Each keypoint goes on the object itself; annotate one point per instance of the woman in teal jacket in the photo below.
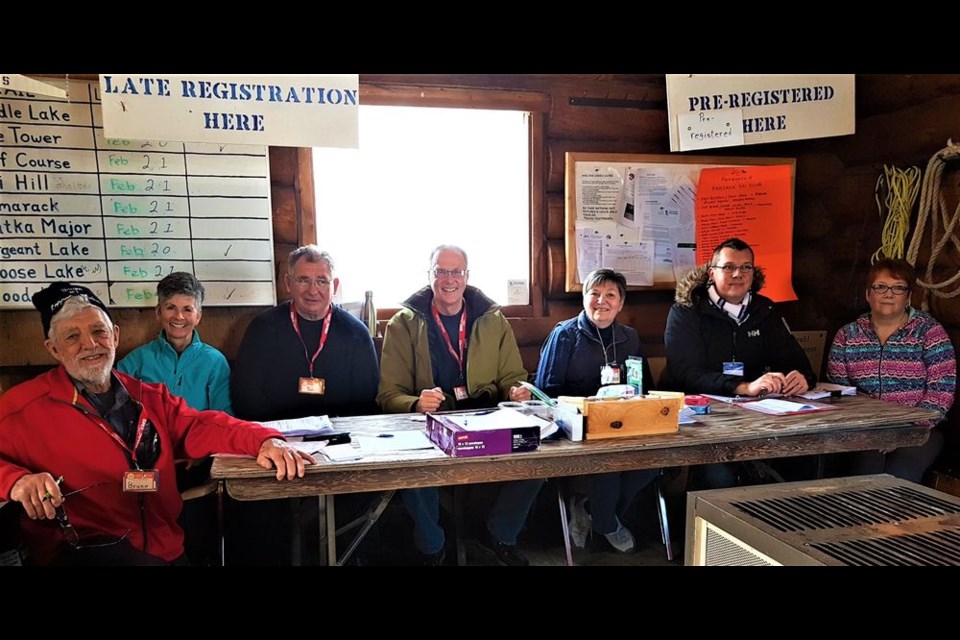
(191, 369)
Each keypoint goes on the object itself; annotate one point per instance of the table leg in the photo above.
(220, 534)
(331, 529)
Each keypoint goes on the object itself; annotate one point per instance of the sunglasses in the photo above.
(73, 537)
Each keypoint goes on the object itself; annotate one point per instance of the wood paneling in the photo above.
(879, 93)
(556, 216)
(909, 135)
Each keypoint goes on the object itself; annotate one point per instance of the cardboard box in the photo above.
(619, 418)
(494, 432)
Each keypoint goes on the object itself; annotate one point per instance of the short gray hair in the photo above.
(310, 253)
(74, 306)
(180, 282)
(602, 276)
(448, 247)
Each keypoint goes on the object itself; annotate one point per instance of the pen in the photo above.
(384, 435)
(48, 495)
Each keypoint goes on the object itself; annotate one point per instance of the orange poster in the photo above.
(754, 204)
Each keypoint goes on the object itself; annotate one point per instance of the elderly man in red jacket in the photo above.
(89, 452)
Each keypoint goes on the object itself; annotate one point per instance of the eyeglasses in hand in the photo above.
(73, 537)
(445, 273)
(306, 283)
(731, 269)
(898, 289)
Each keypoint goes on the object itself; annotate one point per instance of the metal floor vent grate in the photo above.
(846, 509)
(936, 549)
(874, 520)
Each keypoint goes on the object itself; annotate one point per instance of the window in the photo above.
(425, 176)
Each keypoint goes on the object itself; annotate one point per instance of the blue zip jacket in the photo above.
(200, 375)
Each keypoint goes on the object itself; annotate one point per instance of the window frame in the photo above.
(536, 104)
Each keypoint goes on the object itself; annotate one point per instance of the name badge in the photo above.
(733, 368)
(460, 393)
(313, 386)
(610, 374)
(141, 481)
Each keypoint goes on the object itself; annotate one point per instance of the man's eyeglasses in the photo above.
(898, 289)
(448, 273)
(73, 537)
(731, 269)
(306, 283)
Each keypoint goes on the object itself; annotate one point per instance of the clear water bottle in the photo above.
(368, 314)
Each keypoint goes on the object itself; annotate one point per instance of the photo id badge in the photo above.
(610, 374)
(313, 386)
(733, 368)
(141, 481)
(460, 392)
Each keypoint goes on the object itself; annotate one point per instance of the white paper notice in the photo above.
(517, 292)
(599, 191)
(668, 215)
(682, 203)
(590, 239)
(663, 262)
(651, 190)
(709, 129)
(626, 214)
(684, 260)
(633, 259)
(626, 234)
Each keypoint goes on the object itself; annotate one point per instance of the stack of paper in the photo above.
(784, 407)
(342, 452)
(309, 426)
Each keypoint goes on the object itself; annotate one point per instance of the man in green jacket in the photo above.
(451, 348)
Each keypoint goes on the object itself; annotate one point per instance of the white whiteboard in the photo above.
(117, 215)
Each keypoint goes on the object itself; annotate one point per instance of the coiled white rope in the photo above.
(943, 226)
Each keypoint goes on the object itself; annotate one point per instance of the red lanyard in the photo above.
(141, 427)
(323, 334)
(459, 357)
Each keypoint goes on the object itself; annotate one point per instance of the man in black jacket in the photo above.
(724, 338)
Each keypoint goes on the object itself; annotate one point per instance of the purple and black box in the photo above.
(459, 442)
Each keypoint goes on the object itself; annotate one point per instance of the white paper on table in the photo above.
(784, 407)
(309, 426)
(394, 441)
(342, 452)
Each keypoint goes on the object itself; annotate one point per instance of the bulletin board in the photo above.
(117, 215)
(643, 214)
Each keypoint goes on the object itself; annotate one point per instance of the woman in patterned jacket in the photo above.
(897, 354)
